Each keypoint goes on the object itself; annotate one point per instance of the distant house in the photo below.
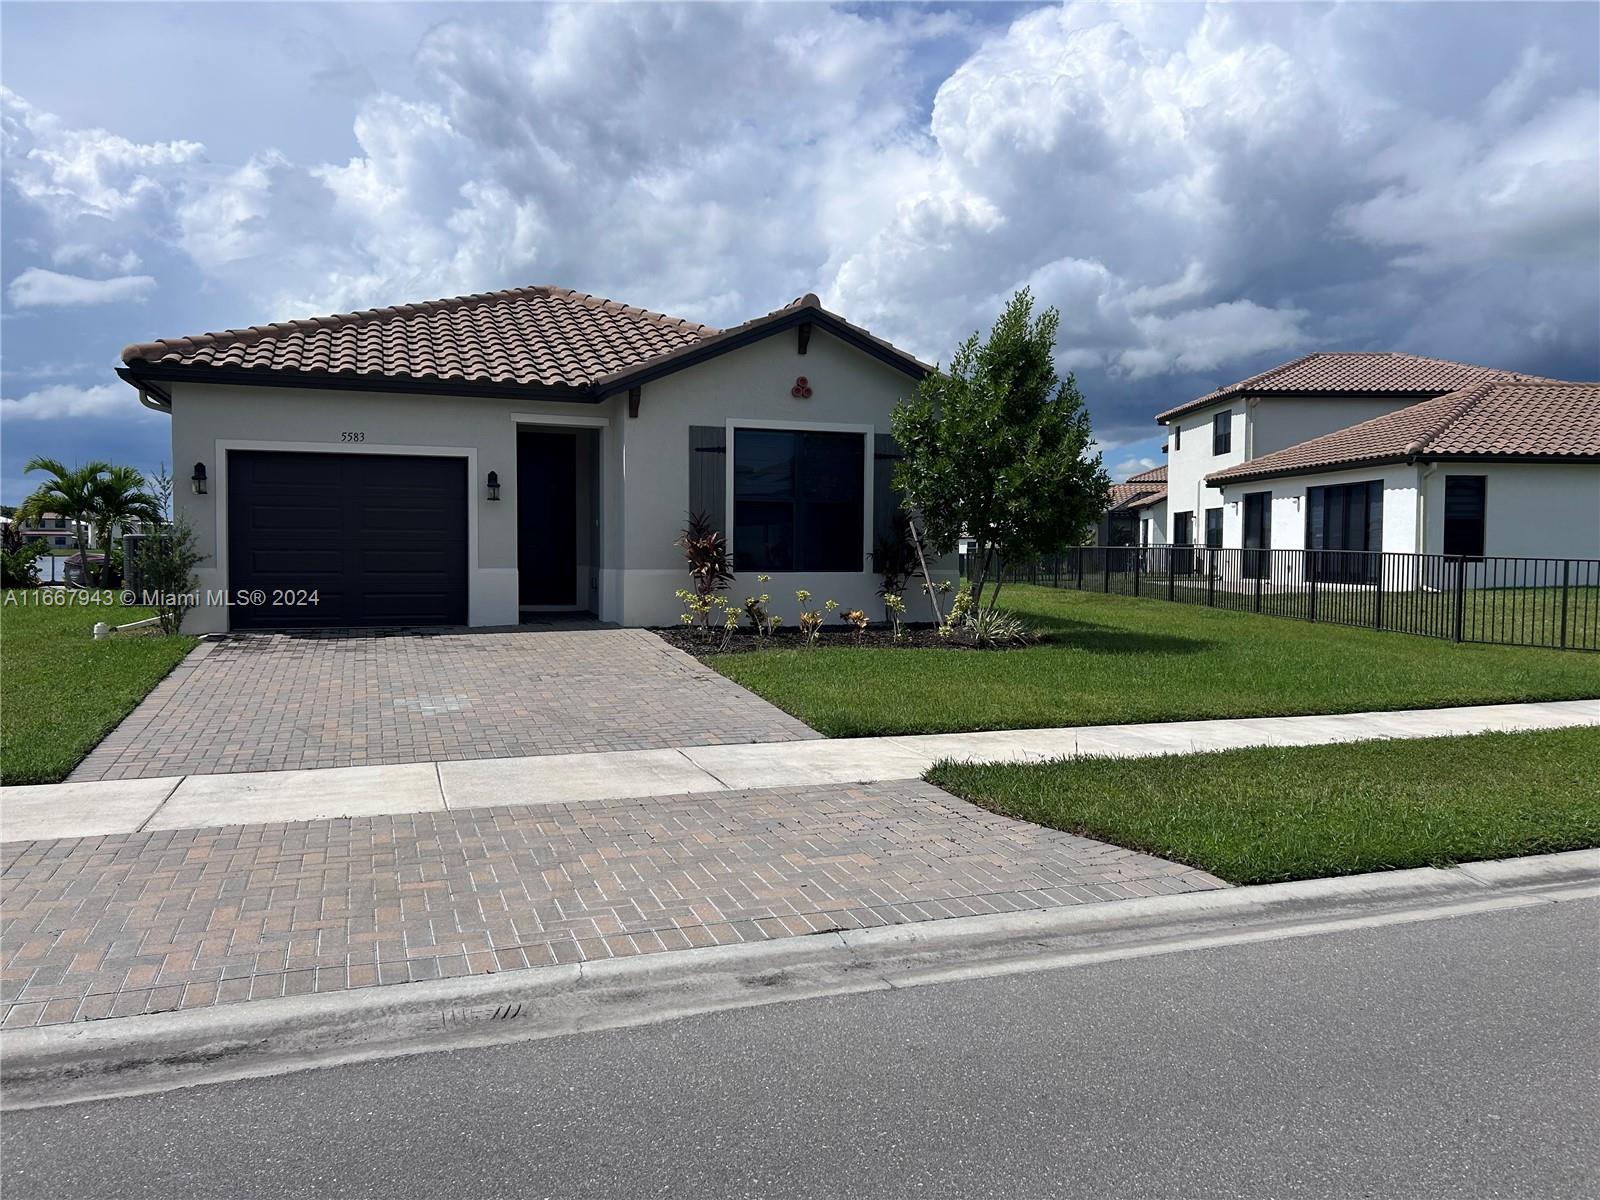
(1504, 468)
(1357, 451)
(1138, 512)
(52, 529)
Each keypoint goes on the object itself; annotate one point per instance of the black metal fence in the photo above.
(1552, 602)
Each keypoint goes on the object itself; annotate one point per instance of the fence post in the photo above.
(1566, 578)
(1105, 570)
(1058, 571)
(1377, 602)
(1311, 581)
(1138, 560)
(1211, 577)
(1171, 568)
(1461, 595)
(1263, 565)
(1080, 568)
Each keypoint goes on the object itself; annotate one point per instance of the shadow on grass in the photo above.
(1068, 634)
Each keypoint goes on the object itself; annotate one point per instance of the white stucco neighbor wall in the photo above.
(1260, 426)
(1191, 461)
(1531, 510)
(1289, 506)
(643, 487)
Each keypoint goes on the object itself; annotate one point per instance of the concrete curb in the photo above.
(132, 1055)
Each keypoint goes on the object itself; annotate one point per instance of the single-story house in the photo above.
(1504, 467)
(1137, 515)
(480, 459)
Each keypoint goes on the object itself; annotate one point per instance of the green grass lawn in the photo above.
(1114, 659)
(61, 691)
(1303, 812)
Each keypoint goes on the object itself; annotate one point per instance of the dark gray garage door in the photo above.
(380, 539)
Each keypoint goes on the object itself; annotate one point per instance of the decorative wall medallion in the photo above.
(801, 389)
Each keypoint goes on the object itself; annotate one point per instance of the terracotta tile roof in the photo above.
(1494, 419)
(531, 336)
(546, 338)
(1376, 372)
(1141, 490)
(804, 307)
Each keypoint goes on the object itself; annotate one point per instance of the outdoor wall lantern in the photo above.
(494, 485)
(198, 480)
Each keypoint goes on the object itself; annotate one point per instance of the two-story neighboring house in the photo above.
(52, 529)
(1291, 404)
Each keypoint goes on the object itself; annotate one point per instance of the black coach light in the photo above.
(494, 485)
(198, 479)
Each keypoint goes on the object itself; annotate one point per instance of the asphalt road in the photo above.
(1456, 1057)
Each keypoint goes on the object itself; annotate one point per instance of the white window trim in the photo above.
(867, 432)
(219, 493)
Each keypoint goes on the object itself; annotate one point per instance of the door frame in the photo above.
(219, 508)
(602, 507)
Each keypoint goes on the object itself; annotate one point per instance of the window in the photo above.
(1464, 497)
(1177, 436)
(1183, 529)
(798, 502)
(1213, 529)
(1345, 517)
(1257, 535)
(1222, 433)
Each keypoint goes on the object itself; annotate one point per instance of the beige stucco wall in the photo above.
(643, 489)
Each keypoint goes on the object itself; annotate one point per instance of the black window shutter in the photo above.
(885, 500)
(708, 466)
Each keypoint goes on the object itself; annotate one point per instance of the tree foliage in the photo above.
(68, 492)
(996, 447)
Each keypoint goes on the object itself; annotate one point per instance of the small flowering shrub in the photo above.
(857, 619)
(702, 610)
(755, 611)
(960, 609)
(811, 619)
(895, 606)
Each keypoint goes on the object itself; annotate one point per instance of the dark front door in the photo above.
(331, 540)
(1257, 535)
(547, 518)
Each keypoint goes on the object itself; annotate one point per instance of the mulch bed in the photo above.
(913, 637)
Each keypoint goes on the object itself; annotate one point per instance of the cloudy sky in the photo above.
(1202, 191)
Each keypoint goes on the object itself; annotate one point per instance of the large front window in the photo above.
(798, 500)
(1343, 518)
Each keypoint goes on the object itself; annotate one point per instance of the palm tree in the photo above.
(121, 498)
(69, 492)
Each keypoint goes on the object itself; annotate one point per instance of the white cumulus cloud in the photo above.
(39, 288)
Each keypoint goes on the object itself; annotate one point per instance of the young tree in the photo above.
(69, 492)
(167, 561)
(121, 497)
(996, 448)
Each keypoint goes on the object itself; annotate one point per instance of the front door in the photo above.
(547, 518)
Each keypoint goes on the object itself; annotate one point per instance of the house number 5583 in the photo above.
(353, 435)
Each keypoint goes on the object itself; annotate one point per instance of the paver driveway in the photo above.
(187, 918)
(273, 702)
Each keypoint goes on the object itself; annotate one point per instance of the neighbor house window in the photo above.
(1213, 528)
(1177, 436)
(1464, 497)
(798, 500)
(1183, 529)
(1222, 433)
(1342, 518)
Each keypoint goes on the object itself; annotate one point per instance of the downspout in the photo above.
(155, 404)
(1422, 505)
(1250, 404)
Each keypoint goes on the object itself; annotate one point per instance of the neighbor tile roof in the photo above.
(1367, 372)
(530, 336)
(1138, 491)
(1494, 419)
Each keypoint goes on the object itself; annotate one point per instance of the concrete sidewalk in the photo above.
(75, 810)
